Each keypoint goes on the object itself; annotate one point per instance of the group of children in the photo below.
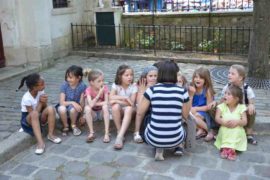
(161, 101)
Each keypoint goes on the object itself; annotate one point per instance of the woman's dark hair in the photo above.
(120, 71)
(236, 92)
(167, 72)
(77, 71)
(31, 80)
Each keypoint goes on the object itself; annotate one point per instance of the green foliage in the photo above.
(174, 45)
(142, 40)
(211, 45)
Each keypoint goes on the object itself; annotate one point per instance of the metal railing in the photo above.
(60, 3)
(183, 5)
(211, 40)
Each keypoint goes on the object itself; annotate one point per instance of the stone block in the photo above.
(45, 174)
(186, 171)
(75, 167)
(24, 170)
(214, 174)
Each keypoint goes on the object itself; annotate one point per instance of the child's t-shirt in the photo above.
(73, 94)
(29, 100)
(125, 92)
(89, 91)
(250, 92)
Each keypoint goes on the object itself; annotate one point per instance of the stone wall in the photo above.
(225, 19)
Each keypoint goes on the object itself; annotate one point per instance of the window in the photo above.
(60, 3)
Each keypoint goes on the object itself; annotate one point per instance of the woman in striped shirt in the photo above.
(170, 104)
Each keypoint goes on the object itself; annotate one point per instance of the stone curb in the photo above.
(155, 58)
(11, 74)
(14, 144)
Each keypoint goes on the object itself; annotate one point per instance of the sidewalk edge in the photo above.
(14, 144)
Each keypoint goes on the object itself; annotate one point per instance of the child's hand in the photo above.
(142, 85)
(100, 90)
(193, 110)
(251, 109)
(129, 102)
(77, 107)
(212, 105)
(191, 90)
(43, 98)
(232, 123)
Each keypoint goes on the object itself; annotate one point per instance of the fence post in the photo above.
(72, 38)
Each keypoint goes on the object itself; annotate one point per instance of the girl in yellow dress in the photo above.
(231, 115)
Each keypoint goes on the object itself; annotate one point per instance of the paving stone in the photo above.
(265, 148)
(263, 171)
(73, 177)
(46, 174)
(103, 157)
(101, 172)
(4, 177)
(77, 152)
(235, 166)
(74, 167)
(128, 161)
(130, 147)
(131, 175)
(248, 177)
(203, 161)
(186, 171)
(252, 157)
(157, 166)
(214, 174)
(158, 177)
(24, 170)
(53, 162)
(146, 150)
(33, 158)
(59, 149)
(8, 166)
(200, 149)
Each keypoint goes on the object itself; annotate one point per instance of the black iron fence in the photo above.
(212, 40)
(182, 5)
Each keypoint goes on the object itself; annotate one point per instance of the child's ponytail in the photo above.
(86, 72)
(31, 80)
(22, 83)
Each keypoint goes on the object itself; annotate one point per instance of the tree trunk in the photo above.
(258, 57)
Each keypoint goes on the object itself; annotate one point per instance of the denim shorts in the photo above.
(26, 127)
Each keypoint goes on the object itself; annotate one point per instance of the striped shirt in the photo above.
(165, 128)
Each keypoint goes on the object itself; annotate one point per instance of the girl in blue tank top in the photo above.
(201, 94)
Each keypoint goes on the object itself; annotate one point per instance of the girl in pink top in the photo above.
(96, 104)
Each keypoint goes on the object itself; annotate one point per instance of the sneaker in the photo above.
(137, 138)
(178, 151)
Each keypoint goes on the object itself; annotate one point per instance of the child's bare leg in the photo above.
(73, 117)
(33, 120)
(200, 122)
(62, 110)
(49, 114)
(116, 113)
(126, 121)
(106, 117)
(89, 119)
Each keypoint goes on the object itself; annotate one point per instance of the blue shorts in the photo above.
(26, 127)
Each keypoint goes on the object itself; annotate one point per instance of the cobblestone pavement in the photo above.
(75, 159)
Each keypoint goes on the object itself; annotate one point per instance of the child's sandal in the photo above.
(119, 143)
(91, 137)
(65, 131)
(251, 140)
(107, 138)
